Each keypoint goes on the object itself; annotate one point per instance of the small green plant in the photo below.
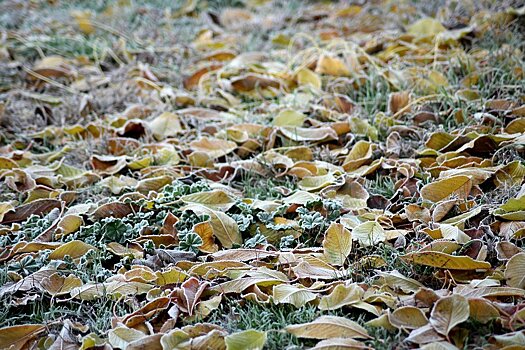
(381, 185)
(256, 240)
(190, 242)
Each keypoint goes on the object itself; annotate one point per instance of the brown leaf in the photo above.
(16, 337)
(37, 207)
(190, 292)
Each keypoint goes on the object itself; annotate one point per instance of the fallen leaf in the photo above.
(327, 327)
(297, 295)
(459, 186)
(369, 233)
(445, 261)
(515, 271)
(448, 312)
(246, 340)
(408, 317)
(16, 337)
(337, 244)
(341, 295)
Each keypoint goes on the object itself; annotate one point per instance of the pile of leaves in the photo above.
(353, 173)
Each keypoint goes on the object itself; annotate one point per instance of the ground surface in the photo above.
(240, 174)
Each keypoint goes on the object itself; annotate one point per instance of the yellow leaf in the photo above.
(360, 126)
(297, 295)
(5, 207)
(200, 159)
(459, 186)
(446, 261)
(206, 307)
(442, 345)
(360, 154)
(205, 231)
(453, 233)
(315, 183)
(337, 244)
(224, 227)
(448, 312)
(6, 163)
(424, 335)
(281, 39)
(341, 296)
(316, 268)
(170, 276)
(340, 344)
(327, 327)
(83, 19)
(70, 223)
(173, 338)
(437, 80)
(289, 117)
(117, 289)
(214, 148)
(408, 317)
(515, 271)
(516, 126)
(121, 337)
(74, 249)
(117, 184)
(442, 246)
(350, 11)
(239, 285)
(332, 66)
(250, 339)
(426, 27)
(301, 197)
(513, 209)
(153, 183)
(306, 77)
(381, 321)
(215, 199)
(165, 125)
(369, 233)
(308, 134)
(439, 140)
(482, 310)
(140, 163)
(394, 279)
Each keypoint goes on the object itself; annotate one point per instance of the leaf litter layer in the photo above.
(262, 174)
